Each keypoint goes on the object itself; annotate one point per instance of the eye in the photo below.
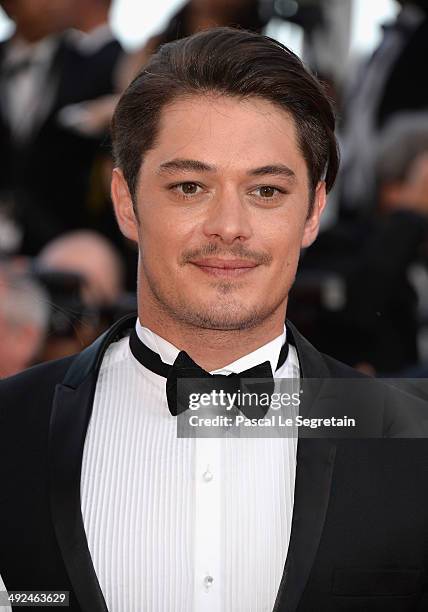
(267, 191)
(187, 189)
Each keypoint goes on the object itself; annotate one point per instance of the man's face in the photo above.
(222, 212)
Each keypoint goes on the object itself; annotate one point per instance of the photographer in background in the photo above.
(83, 274)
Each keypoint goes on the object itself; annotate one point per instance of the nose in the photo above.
(228, 218)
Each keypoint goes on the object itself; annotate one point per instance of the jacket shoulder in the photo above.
(33, 389)
(404, 409)
(338, 369)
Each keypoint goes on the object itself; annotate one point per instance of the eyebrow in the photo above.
(274, 170)
(186, 165)
(194, 165)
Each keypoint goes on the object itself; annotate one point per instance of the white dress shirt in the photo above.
(182, 524)
(93, 41)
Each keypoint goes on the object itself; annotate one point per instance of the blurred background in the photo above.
(66, 273)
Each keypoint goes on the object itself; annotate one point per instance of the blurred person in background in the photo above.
(26, 66)
(24, 313)
(198, 15)
(193, 16)
(376, 325)
(389, 83)
(91, 255)
(84, 275)
(50, 167)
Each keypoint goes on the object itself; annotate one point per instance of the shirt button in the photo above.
(208, 582)
(207, 476)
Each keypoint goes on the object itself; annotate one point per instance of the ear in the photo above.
(312, 223)
(123, 206)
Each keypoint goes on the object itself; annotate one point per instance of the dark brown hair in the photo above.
(234, 63)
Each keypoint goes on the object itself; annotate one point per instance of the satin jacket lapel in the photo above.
(72, 408)
(314, 471)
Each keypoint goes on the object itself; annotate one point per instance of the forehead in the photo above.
(227, 132)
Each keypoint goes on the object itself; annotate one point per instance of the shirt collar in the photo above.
(18, 50)
(168, 352)
(93, 41)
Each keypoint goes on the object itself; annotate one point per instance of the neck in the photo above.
(90, 20)
(210, 348)
(29, 38)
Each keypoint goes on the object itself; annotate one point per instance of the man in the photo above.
(92, 266)
(45, 70)
(92, 256)
(225, 149)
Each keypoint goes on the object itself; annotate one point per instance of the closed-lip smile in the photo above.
(224, 267)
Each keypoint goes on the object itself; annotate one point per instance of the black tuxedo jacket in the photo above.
(359, 536)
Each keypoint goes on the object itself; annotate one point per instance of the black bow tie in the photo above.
(258, 379)
(12, 70)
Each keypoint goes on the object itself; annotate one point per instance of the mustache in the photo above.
(238, 251)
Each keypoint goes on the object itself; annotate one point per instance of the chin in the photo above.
(224, 317)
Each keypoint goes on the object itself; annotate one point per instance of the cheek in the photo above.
(285, 241)
(162, 242)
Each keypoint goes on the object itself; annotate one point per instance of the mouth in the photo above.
(225, 268)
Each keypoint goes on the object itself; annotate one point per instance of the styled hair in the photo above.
(233, 63)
